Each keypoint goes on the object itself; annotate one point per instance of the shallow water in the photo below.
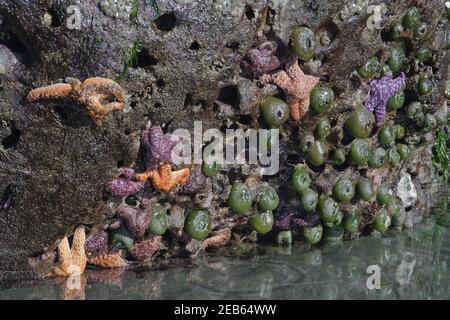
(413, 265)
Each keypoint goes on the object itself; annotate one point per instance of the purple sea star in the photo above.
(380, 92)
(288, 217)
(158, 146)
(125, 184)
(137, 220)
(262, 59)
(197, 181)
(146, 248)
(97, 243)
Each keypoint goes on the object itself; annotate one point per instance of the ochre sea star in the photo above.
(219, 240)
(164, 178)
(93, 93)
(108, 260)
(72, 261)
(296, 85)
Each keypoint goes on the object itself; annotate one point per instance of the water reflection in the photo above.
(413, 264)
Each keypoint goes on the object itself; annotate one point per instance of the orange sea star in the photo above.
(108, 260)
(93, 93)
(164, 178)
(218, 240)
(296, 85)
(72, 261)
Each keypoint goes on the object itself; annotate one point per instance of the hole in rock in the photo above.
(12, 140)
(347, 138)
(187, 100)
(120, 164)
(230, 95)
(145, 59)
(7, 200)
(160, 83)
(293, 158)
(355, 83)
(246, 119)
(315, 168)
(194, 46)
(199, 104)
(166, 22)
(15, 45)
(249, 12)
(342, 167)
(234, 45)
(331, 28)
(58, 16)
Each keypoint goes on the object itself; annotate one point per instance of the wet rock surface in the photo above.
(178, 61)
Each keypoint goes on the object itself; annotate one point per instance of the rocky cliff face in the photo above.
(178, 61)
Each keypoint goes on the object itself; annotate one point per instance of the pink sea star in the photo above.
(296, 85)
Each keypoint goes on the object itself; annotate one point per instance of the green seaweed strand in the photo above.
(154, 5)
(441, 153)
(134, 10)
(130, 58)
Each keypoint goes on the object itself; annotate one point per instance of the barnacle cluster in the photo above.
(352, 8)
(121, 9)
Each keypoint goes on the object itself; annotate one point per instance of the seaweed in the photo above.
(134, 10)
(130, 59)
(441, 150)
(154, 5)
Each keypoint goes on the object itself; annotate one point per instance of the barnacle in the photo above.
(121, 9)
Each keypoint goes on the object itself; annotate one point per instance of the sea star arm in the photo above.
(54, 91)
(64, 255)
(303, 107)
(280, 79)
(93, 92)
(77, 251)
(97, 110)
(294, 71)
(294, 110)
(145, 175)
